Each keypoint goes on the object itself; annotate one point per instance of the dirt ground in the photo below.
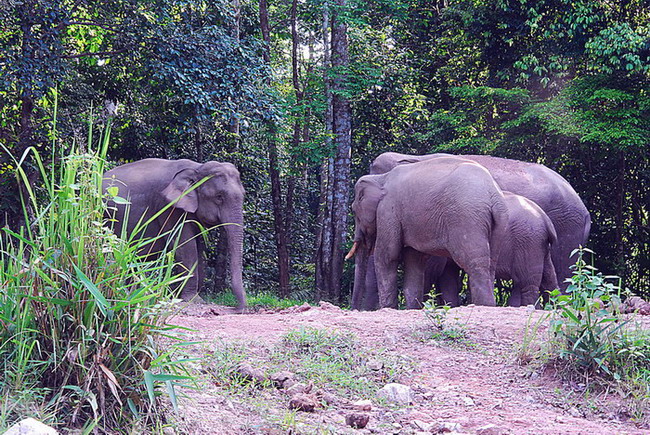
(478, 386)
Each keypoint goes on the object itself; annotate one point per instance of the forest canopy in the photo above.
(277, 87)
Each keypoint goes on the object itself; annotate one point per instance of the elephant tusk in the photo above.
(353, 250)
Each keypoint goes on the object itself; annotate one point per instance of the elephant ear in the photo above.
(183, 180)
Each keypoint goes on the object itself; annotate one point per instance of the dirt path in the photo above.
(472, 386)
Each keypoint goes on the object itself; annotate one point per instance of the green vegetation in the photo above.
(337, 359)
(562, 83)
(592, 342)
(81, 313)
(443, 328)
(256, 301)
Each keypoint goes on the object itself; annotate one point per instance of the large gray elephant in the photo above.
(444, 207)
(151, 184)
(548, 189)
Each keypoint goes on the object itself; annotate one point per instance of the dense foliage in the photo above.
(81, 312)
(564, 83)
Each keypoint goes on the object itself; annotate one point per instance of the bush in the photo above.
(81, 313)
(595, 337)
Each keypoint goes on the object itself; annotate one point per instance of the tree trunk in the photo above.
(280, 220)
(323, 220)
(339, 188)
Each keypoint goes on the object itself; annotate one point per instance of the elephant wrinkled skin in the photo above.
(548, 189)
(151, 184)
(443, 207)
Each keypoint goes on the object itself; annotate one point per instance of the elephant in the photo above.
(447, 207)
(151, 184)
(525, 256)
(548, 189)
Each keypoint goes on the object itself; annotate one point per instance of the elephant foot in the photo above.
(241, 309)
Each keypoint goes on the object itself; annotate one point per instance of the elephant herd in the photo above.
(491, 217)
(437, 214)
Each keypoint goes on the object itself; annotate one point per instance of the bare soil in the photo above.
(478, 385)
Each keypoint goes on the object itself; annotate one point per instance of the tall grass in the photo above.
(81, 312)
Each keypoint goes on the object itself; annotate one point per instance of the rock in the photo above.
(575, 412)
(250, 373)
(491, 429)
(357, 420)
(468, 401)
(29, 426)
(636, 304)
(327, 397)
(375, 365)
(397, 393)
(329, 307)
(421, 425)
(303, 402)
(280, 378)
(444, 427)
(299, 388)
(362, 405)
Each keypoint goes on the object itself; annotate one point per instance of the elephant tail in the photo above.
(500, 219)
(550, 230)
(587, 227)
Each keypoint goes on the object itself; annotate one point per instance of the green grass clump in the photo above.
(594, 341)
(255, 301)
(81, 313)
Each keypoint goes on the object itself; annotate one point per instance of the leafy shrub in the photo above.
(587, 318)
(81, 313)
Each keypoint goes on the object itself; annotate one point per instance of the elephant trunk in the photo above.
(235, 235)
(360, 270)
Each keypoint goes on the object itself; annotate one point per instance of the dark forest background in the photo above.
(302, 95)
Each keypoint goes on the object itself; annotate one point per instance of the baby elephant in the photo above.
(525, 255)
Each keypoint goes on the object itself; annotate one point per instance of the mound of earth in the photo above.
(473, 376)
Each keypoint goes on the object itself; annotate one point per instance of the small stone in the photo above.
(468, 401)
(280, 378)
(375, 365)
(29, 426)
(327, 397)
(397, 393)
(491, 429)
(445, 427)
(250, 373)
(329, 307)
(298, 388)
(357, 420)
(362, 405)
(303, 402)
(421, 425)
(575, 412)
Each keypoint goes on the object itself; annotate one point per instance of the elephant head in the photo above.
(368, 193)
(218, 200)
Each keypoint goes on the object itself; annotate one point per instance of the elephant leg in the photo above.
(187, 255)
(360, 282)
(371, 295)
(515, 296)
(386, 261)
(448, 284)
(529, 295)
(414, 265)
